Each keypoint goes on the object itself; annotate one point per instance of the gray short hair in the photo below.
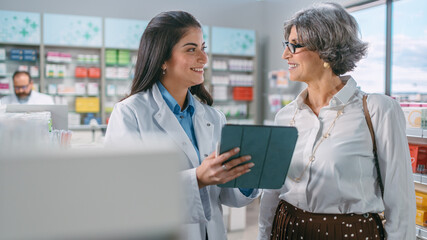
(329, 30)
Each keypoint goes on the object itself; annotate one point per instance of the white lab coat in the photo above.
(34, 98)
(146, 113)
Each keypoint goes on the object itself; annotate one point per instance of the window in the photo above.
(370, 71)
(409, 50)
(408, 76)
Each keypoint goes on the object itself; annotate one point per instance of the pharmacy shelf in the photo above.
(421, 232)
(92, 128)
(420, 183)
(420, 178)
(417, 140)
(416, 132)
(87, 127)
(228, 69)
(232, 71)
(74, 95)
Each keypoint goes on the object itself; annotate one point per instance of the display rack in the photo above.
(421, 232)
(119, 73)
(69, 50)
(232, 79)
(232, 86)
(72, 75)
(420, 180)
(279, 91)
(18, 57)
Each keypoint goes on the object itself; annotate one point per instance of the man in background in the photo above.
(23, 85)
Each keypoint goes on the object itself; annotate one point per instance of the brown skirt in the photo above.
(295, 224)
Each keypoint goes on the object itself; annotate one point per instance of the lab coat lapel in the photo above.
(167, 120)
(203, 129)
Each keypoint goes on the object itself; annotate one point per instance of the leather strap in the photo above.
(374, 144)
(369, 122)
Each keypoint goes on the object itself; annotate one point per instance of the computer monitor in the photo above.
(59, 113)
(91, 194)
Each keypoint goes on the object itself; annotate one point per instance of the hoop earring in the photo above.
(326, 65)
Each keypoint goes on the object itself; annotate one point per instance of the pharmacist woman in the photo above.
(169, 71)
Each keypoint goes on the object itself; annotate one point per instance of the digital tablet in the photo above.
(271, 148)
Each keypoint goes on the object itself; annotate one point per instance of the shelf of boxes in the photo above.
(415, 116)
(119, 72)
(73, 76)
(232, 84)
(421, 215)
(18, 57)
(74, 68)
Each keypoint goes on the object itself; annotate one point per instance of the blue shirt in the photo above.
(184, 117)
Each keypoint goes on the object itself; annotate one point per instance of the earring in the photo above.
(326, 65)
(164, 71)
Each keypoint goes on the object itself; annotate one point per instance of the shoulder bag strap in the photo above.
(371, 130)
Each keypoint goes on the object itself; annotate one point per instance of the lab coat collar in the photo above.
(173, 104)
(167, 120)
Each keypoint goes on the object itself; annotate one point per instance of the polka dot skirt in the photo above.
(295, 224)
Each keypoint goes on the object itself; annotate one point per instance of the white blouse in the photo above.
(342, 178)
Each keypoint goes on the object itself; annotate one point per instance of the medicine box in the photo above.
(94, 72)
(87, 105)
(421, 200)
(123, 57)
(418, 158)
(29, 58)
(243, 93)
(2, 54)
(16, 52)
(3, 69)
(80, 72)
(29, 52)
(16, 57)
(421, 217)
(412, 115)
(110, 57)
(93, 89)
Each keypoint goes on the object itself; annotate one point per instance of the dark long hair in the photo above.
(162, 33)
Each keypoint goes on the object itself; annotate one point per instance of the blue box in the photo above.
(16, 51)
(29, 52)
(17, 57)
(29, 58)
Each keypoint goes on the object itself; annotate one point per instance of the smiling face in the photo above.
(185, 67)
(304, 65)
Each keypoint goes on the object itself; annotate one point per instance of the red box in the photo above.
(80, 72)
(94, 72)
(243, 93)
(418, 158)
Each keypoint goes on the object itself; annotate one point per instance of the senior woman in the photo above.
(331, 191)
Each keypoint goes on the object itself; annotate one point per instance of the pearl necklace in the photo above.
(324, 136)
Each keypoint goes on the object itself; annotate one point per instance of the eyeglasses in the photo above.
(21, 87)
(292, 47)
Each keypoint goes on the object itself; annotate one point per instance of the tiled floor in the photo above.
(251, 230)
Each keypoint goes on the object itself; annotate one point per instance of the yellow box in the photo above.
(421, 217)
(413, 117)
(421, 200)
(87, 104)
